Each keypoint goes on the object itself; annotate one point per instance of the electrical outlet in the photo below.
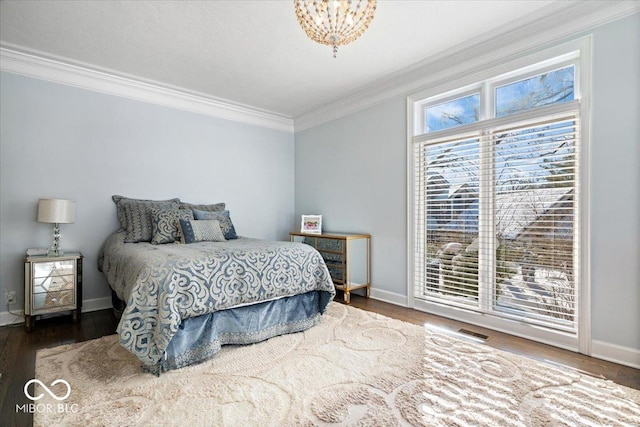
(9, 296)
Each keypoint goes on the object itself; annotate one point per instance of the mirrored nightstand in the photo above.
(348, 258)
(52, 285)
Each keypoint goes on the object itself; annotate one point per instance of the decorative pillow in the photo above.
(135, 216)
(209, 208)
(200, 231)
(164, 223)
(225, 221)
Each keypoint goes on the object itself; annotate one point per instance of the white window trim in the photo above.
(503, 66)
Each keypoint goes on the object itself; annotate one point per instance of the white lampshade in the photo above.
(56, 211)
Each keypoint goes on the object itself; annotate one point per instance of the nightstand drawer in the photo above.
(330, 245)
(54, 283)
(53, 300)
(53, 268)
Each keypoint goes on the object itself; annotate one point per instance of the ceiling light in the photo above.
(334, 23)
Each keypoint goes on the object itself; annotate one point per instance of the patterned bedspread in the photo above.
(163, 284)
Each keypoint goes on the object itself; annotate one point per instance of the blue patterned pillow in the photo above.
(135, 216)
(165, 224)
(217, 207)
(200, 231)
(225, 221)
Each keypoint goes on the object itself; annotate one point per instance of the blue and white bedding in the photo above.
(164, 285)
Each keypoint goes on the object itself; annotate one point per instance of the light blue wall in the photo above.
(64, 142)
(615, 183)
(353, 171)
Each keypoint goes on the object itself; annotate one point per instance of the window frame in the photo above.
(505, 71)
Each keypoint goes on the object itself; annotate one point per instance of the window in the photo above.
(495, 197)
(553, 87)
(452, 113)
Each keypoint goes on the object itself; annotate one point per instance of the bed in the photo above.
(184, 301)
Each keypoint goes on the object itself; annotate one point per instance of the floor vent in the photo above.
(473, 334)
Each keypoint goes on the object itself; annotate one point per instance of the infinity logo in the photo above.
(41, 395)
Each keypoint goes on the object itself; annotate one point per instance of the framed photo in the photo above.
(311, 224)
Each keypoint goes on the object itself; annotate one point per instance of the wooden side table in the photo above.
(52, 285)
(347, 255)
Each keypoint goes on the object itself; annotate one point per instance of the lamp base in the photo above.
(55, 253)
(54, 250)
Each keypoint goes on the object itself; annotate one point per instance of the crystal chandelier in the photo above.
(334, 23)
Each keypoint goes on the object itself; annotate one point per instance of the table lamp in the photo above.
(56, 212)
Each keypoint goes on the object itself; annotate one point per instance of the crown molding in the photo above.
(39, 67)
(555, 23)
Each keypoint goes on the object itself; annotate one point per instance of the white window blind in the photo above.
(496, 216)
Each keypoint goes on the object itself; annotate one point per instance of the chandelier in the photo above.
(334, 23)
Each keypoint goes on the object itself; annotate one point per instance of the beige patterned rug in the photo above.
(354, 368)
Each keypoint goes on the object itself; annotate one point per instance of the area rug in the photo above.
(354, 368)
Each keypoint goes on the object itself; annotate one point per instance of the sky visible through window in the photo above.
(552, 87)
(456, 112)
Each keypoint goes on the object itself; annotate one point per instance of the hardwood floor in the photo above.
(18, 349)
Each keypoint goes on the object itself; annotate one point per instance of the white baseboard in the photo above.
(390, 297)
(89, 305)
(616, 353)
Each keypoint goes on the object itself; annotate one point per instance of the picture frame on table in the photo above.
(311, 224)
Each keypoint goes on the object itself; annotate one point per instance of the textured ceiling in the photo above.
(249, 52)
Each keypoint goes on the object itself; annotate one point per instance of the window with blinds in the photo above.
(496, 199)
